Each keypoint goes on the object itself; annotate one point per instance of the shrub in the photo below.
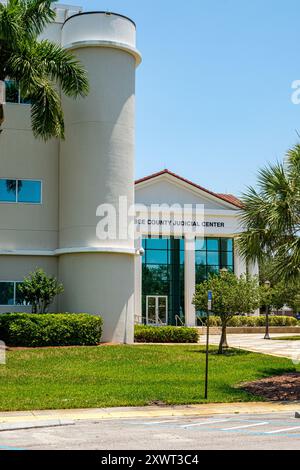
(241, 320)
(39, 290)
(59, 329)
(165, 334)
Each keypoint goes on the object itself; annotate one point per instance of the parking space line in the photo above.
(202, 423)
(277, 431)
(246, 426)
(162, 422)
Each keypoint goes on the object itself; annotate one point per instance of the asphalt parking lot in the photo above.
(259, 431)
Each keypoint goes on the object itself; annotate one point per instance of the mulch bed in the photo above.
(279, 388)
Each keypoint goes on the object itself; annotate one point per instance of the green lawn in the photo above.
(127, 375)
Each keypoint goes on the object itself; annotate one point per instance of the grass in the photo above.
(287, 338)
(84, 377)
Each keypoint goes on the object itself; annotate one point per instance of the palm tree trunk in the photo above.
(2, 101)
(223, 341)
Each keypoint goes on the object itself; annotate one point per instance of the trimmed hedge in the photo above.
(165, 334)
(58, 329)
(240, 320)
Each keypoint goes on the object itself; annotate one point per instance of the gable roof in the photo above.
(224, 197)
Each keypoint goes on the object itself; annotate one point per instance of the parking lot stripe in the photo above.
(246, 426)
(215, 421)
(162, 422)
(277, 431)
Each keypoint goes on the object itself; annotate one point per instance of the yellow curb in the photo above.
(147, 412)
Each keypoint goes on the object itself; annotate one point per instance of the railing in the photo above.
(177, 318)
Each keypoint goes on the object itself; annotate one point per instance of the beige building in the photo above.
(50, 192)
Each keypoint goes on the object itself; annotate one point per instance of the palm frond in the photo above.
(36, 14)
(46, 112)
(62, 66)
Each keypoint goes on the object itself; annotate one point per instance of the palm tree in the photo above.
(271, 216)
(37, 66)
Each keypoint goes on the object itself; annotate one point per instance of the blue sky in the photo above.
(214, 89)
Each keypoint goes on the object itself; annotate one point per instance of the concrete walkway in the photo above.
(256, 343)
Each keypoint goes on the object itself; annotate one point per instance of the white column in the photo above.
(138, 285)
(253, 269)
(189, 281)
(240, 266)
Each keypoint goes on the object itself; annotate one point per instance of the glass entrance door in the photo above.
(157, 310)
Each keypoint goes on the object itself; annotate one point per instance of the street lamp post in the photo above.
(267, 333)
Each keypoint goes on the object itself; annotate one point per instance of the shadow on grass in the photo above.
(230, 352)
(275, 371)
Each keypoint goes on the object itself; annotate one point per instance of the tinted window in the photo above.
(212, 244)
(200, 257)
(7, 293)
(212, 257)
(7, 190)
(226, 244)
(157, 256)
(157, 244)
(200, 244)
(29, 191)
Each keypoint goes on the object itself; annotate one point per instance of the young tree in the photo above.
(39, 290)
(231, 296)
(37, 66)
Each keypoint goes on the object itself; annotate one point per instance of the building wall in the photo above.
(28, 226)
(100, 283)
(15, 268)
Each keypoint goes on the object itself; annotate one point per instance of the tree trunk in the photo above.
(2, 101)
(223, 341)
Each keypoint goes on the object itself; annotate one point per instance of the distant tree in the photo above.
(231, 296)
(39, 290)
(281, 292)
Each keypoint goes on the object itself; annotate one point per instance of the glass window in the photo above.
(157, 256)
(8, 190)
(200, 244)
(212, 257)
(156, 244)
(211, 270)
(19, 297)
(226, 258)
(7, 293)
(29, 191)
(11, 91)
(212, 244)
(200, 257)
(226, 244)
(163, 273)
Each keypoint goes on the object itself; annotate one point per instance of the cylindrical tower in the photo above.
(97, 167)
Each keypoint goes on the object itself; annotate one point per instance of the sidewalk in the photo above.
(47, 418)
(256, 343)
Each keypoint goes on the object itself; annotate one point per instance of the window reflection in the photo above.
(213, 254)
(23, 191)
(29, 191)
(8, 190)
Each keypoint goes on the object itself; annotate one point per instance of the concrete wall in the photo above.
(100, 283)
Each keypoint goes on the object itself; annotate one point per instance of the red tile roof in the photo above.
(225, 197)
